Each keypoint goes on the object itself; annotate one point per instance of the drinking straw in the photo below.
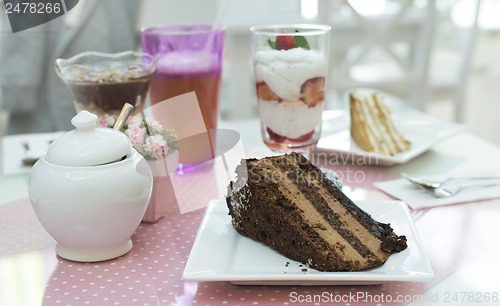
(220, 15)
(216, 24)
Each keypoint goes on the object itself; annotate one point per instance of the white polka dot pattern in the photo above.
(150, 274)
(193, 191)
(20, 230)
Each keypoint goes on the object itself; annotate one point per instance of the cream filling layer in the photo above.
(310, 215)
(346, 218)
(355, 227)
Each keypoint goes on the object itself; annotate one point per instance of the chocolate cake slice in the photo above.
(288, 203)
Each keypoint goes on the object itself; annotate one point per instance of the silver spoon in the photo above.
(446, 192)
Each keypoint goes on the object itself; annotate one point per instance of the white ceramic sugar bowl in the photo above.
(90, 191)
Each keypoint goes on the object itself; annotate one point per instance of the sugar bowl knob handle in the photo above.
(84, 120)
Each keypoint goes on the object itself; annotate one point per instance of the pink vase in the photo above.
(163, 199)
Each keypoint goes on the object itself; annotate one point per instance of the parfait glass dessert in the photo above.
(290, 65)
(102, 83)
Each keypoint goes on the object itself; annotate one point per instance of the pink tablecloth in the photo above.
(150, 274)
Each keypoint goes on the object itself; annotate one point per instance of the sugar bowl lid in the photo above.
(88, 145)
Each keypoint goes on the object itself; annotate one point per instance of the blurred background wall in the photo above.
(460, 60)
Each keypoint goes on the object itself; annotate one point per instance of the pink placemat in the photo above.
(151, 272)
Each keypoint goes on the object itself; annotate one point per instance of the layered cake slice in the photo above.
(371, 126)
(290, 205)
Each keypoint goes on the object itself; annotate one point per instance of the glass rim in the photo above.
(274, 29)
(109, 56)
(206, 28)
(120, 59)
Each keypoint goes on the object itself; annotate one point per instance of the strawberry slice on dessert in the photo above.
(313, 91)
(285, 42)
(265, 93)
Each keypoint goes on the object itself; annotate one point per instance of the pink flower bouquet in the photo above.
(146, 135)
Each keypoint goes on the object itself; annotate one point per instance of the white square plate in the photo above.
(423, 132)
(220, 253)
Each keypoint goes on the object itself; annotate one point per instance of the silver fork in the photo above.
(432, 184)
(446, 192)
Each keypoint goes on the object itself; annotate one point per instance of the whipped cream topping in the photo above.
(290, 119)
(284, 71)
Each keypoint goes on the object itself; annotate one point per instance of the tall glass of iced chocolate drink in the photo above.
(290, 64)
(102, 83)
